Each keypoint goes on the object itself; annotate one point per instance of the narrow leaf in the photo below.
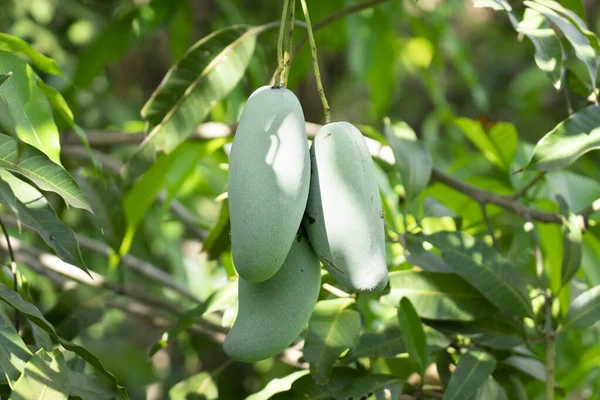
(386, 344)
(472, 371)
(217, 241)
(491, 390)
(585, 310)
(4, 77)
(14, 44)
(39, 215)
(45, 377)
(14, 353)
(498, 145)
(529, 366)
(333, 328)
(413, 335)
(30, 114)
(484, 268)
(200, 386)
(278, 385)
(488, 332)
(89, 387)
(437, 296)
(572, 245)
(206, 73)
(32, 313)
(184, 321)
(568, 141)
(36, 166)
(412, 158)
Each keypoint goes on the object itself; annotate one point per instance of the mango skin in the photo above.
(269, 172)
(344, 215)
(273, 313)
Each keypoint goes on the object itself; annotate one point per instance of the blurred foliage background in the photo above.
(423, 62)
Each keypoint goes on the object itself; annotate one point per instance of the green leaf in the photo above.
(572, 244)
(491, 390)
(498, 145)
(549, 52)
(30, 114)
(31, 312)
(14, 44)
(488, 332)
(31, 208)
(14, 353)
(577, 375)
(585, 310)
(206, 73)
(170, 170)
(4, 77)
(437, 296)
(484, 268)
(576, 6)
(36, 166)
(278, 385)
(386, 344)
(89, 387)
(365, 385)
(201, 386)
(184, 321)
(529, 366)
(45, 377)
(412, 158)
(472, 371)
(333, 328)
(413, 335)
(568, 141)
(581, 44)
(217, 241)
(427, 260)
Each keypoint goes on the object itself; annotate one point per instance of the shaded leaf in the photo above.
(489, 332)
(89, 387)
(412, 158)
(588, 361)
(201, 386)
(498, 145)
(568, 141)
(585, 310)
(184, 321)
(581, 44)
(277, 385)
(14, 44)
(386, 344)
(4, 77)
(427, 260)
(38, 214)
(31, 312)
(437, 296)
(45, 377)
(217, 241)
(530, 366)
(572, 244)
(37, 167)
(491, 390)
(413, 335)
(206, 73)
(365, 385)
(472, 371)
(30, 114)
(14, 353)
(332, 328)
(484, 268)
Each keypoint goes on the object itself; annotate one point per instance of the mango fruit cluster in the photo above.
(291, 207)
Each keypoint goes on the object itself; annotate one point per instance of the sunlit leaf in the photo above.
(487, 270)
(588, 361)
(413, 335)
(333, 328)
(37, 167)
(45, 377)
(568, 141)
(12, 43)
(32, 313)
(30, 114)
(499, 144)
(278, 385)
(200, 386)
(31, 208)
(437, 296)
(412, 158)
(206, 73)
(585, 310)
(14, 353)
(472, 371)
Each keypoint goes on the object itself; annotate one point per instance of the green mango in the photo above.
(269, 172)
(273, 313)
(344, 215)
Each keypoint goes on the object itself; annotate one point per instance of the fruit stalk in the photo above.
(313, 49)
(287, 45)
(280, 44)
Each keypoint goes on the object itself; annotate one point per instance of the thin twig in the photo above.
(315, 60)
(488, 223)
(280, 42)
(287, 45)
(13, 268)
(530, 185)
